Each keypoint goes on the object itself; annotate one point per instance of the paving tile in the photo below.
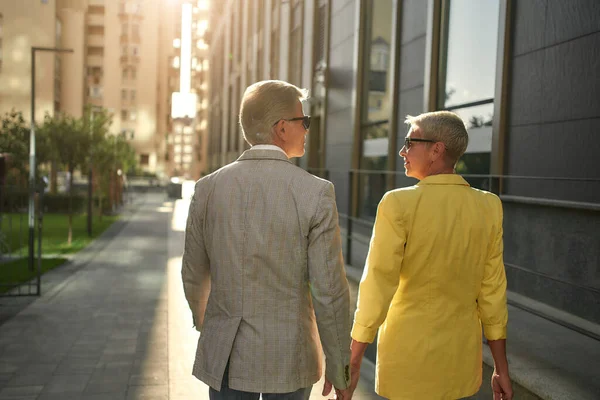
(29, 380)
(72, 383)
(20, 391)
(155, 392)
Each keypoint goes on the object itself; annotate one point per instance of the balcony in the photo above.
(95, 101)
(95, 40)
(95, 61)
(94, 80)
(95, 20)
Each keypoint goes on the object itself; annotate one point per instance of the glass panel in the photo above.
(478, 121)
(376, 106)
(472, 41)
(373, 187)
(476, 160)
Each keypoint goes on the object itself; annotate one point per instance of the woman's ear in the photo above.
(438, 150)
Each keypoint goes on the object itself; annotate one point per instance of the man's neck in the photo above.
(268, 147)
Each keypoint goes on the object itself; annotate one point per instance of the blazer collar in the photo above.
(444, 179)
(263, 155)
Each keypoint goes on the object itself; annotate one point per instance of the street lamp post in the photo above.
(32, 155)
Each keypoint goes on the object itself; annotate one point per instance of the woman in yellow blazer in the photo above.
(434, 276)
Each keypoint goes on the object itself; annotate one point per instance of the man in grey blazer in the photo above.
(262, 268)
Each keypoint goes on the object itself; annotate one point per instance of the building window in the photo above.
(95, 92)
(132, 115)
(135, 30)
(133, 73)
(124, 115)
(468, 44)
(376, 104)
(134, 50)
(123, 94)
(132, 95)
(125, 74)
(144, 159)
(124, 29)
(95, 51)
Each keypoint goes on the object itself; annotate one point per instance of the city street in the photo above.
(118, 327)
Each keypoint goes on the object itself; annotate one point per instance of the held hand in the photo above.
(344, 394)
(340, 394)
(501, 386)
(326, 387)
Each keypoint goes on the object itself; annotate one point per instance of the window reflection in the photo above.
(376, 105)
(470, 52)
(467, 77)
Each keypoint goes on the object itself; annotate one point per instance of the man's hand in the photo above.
(501, 386)
(341, 394)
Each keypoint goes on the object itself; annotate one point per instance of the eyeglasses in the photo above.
(305, 121)
(409, 140)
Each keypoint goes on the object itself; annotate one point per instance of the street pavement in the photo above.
(118, 327)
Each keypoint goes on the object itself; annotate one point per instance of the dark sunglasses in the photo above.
(409, 140)
(305, 121)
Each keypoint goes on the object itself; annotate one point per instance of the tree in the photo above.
(69, 143)
(111, 154)
(14, 142)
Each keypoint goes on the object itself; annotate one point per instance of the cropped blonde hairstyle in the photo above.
(263, 105)
(445, 127)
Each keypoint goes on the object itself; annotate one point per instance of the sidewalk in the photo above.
(116, 326)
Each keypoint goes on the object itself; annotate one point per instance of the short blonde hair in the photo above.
(263, 105)
(445, 127)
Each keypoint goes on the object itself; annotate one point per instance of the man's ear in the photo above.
(279, 131)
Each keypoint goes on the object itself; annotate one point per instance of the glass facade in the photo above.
(376, 105)
(468, 46)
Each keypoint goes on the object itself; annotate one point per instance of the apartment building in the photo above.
(122, 60)
(521, 74)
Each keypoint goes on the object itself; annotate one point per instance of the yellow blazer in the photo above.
(433, 277)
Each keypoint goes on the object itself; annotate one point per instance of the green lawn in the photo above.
(17, 271)
(54, 232)
(14, 234)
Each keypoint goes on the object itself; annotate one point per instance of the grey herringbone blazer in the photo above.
(262, 269)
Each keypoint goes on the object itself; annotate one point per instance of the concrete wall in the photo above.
(554, 117)
(73, 65)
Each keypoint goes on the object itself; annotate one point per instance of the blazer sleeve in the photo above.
(329, 288)
(491, 301)
(195, 269)
(381, 275)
